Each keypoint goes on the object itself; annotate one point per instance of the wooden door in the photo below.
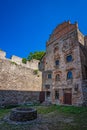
(68, 98)
(42, 97)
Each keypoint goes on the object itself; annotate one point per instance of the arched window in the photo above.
(55, 49)
(57, 62)
(69, 75)
(69, 58)
(57, 78)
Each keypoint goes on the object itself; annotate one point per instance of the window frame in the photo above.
(56, 49)
(57, 64)
(49, 76)
(69, 75)
(48, 93)
(56, 96)
(67, 58)
(57, 77)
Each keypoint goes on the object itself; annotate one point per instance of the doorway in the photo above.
(67, 97)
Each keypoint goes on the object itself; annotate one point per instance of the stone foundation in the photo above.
(11, 97)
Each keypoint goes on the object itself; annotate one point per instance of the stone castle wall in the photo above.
(33, 64)
(18, 84)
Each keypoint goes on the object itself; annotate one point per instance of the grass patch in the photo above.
(63, 109)
(71, 109)
(3, 112)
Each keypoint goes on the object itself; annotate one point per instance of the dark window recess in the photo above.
(85, 72)
(47, 86)
(69, 58)
(48, 94)
(76, 87)
(56, 94)
(55, 49)
(57, 62)
(57, 77)
(69, 75)
(49, 76)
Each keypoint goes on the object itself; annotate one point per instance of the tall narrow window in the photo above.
(57, 62)
(56, 94)
(57, 78)
(49, 76)
(55, 49)
(69, 58)
(47, 94)
(69, 75)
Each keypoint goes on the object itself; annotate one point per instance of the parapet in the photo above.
(16, 59)
(33, 64)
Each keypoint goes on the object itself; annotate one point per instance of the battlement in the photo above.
(2, 54)
(33, 64)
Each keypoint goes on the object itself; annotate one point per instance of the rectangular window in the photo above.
(47, 86)
(57, 62)
(47, 94)
(56, 94)
(49, 76)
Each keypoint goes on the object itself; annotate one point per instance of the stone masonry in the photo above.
(64, 66)
(18, 82)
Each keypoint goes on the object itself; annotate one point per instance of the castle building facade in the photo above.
(64, 66)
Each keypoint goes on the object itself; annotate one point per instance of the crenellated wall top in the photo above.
(33, 64)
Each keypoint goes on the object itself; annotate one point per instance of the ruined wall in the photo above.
(59, 48)
(18, 84)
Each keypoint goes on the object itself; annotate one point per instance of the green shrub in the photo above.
(14, 63)
(35, 72)
(24, 60)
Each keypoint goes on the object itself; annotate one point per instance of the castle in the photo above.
(62, 72)
(64, 66)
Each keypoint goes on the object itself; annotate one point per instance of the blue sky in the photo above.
(25, 25)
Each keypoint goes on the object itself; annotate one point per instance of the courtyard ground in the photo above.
(52, 117)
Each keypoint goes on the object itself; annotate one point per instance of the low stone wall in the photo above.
(12, 97)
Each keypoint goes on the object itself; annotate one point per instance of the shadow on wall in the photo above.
(12, 97)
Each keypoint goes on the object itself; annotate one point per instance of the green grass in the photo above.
(53, 112)
(63, 109)
(3, 112)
